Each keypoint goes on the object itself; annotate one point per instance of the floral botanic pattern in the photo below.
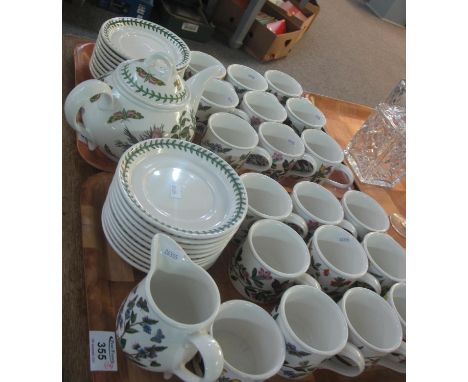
(257, 160)
(131, 139)
(239, 91)
(298, 370)
(124, 115)
(331, 282)
(322, 173)
(291, 349)
(255, 122)
(95, 97)
(235, 161)
(185, 127)
(258, 284)
(129, 324)
(279, 166)
(215, 147)
(148, 77)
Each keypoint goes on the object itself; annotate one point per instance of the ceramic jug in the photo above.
(166, 318)
(140, 99)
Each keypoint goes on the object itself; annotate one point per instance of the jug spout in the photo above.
(198, 82)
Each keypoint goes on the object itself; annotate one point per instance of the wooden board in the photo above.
(108, 280)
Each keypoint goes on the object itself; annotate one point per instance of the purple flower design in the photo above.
(264, 275)
(276, 157)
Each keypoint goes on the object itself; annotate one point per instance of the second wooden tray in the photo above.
(108, 280)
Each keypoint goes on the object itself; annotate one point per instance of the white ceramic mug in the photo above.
(273, 258)
(262, 107)
(268, 200)
(282, 85)
(364, 213)
(285, 148)
(338, 260)
(387, 259)
(200, 61)
(252, 344)
(245, 79)
(373, 325)
(325, 150)
(218, 96)
(234, 140)
(396, 297)
(318, 206)
(314, 331)
(302, 114)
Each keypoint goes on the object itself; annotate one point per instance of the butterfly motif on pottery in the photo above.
(149, 77)
(158, 337)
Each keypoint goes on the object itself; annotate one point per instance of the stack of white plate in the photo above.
(177, 188)
(126, 38)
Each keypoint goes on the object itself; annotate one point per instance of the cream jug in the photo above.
(166, 318)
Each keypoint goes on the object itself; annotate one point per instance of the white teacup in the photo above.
(218, 96)
(282, 85)
(268, 200)
(338, 260)
(364, 213)
(326, 151)
(252, 344)
(302, 114)
(233, 139)
(244, 79)
(373, 325)
(339, 181)
(262, 107)
(396, 297)
(318, 206)
(273, 258)
(314, 330)
(200, 61)
(285, 148)
(387, 259)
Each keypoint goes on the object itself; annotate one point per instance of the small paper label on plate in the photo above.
(344, 239)
(102, 352)
(190, 27)
(176, 191)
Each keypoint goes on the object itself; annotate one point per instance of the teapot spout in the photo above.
(198, 82)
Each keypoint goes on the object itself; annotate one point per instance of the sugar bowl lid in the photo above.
(153, 80)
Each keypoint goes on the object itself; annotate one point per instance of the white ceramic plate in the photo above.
(133, 38)
(106, 52)
(182, 188)
(136, 222)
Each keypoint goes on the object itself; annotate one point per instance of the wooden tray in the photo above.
(108, 280)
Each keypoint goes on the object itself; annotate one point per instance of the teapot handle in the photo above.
(165, 75)
(212, 356)
(77, 99)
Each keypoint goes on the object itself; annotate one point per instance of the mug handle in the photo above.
(240, 113)
(212, 356)
(296, 171)
(297, 223)
(371, 281)
(345, 169)
(342, 366)
(256, 160)
(348, 226)
(394, 365)
(77, 99)
(306, 279)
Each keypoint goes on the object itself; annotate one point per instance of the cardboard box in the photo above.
(259, 42)
(311, 10)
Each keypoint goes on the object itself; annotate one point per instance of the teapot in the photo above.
(140, 99)
(166, 318)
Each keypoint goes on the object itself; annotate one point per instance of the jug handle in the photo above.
(212, 356)
(77, 99)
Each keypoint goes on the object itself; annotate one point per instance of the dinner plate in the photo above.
(132, 38)
(142, 256)
(143, 243)
(104, 62)
(106, 53)
(127, 214)
(182, 188)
